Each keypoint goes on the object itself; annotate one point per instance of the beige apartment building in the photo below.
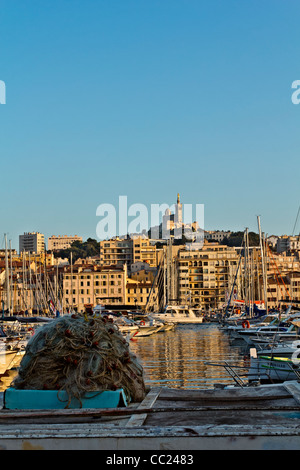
(144, 252)
(138, 293)
(283, 290)
(116, 252)
(62, 242)
(92, 285)
(282, 263)
(127, 251)
(205, 277)
(32, 242)
(288, 243)
(216, 235)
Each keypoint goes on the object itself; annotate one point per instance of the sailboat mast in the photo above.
(72, 280)
(263, 264)
(11, 281)
(7, 277)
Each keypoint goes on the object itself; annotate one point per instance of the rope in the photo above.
(80, 354)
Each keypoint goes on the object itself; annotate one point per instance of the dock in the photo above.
(262, 417)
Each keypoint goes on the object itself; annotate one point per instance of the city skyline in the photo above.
(15, 239)
(147, 100)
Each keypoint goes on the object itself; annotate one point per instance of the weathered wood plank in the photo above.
(136, 414)
(231, 395)
(148, 402)
(190, 418)
(294, 390)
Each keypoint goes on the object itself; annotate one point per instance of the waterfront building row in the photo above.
(202, 278)
(91, 285)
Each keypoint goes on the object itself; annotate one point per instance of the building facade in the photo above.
(216, 235)
(92, 285)
(138, 293)
(32, 242)
(206, 276)
(62, 242)
(287, 243)
(118, 252)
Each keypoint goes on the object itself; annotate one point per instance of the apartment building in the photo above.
(216, 235)
(62, 242)
(91, 285)
(143, 251)
(288, 243)
(206, 276)
(32, 242)
(282, 263)
(127, 251)
(138, 293)
(116, 252)
(283, 290)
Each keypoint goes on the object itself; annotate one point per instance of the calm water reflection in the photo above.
(177, 358)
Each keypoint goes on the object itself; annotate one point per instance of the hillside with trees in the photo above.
(79, 250)
(236, 239)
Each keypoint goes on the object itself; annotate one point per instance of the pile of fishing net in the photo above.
(80, 354)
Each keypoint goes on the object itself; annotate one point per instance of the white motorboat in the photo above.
(134, 325)
(272, 333)
(127, 327)
(148, 327)
(179, 314)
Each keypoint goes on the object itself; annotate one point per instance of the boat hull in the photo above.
(272, 369)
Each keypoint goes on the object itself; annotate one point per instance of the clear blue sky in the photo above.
(148, 98)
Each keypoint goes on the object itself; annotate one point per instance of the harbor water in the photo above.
(182, 358)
